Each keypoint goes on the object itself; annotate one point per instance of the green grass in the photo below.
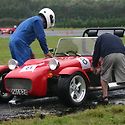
(101, 115)
(5, 52)
(52, 42)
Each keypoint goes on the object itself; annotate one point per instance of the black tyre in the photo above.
(4, 96)
(10, 32)
(72, 90)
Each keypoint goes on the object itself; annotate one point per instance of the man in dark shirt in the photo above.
(111, 51)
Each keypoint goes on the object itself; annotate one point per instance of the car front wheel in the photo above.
(72, 90)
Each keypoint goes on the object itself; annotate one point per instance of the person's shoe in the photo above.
(103, 101)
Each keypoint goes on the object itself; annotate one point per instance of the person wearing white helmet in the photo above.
(49, 17)
(29, 30)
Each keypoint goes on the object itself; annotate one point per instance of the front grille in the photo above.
(18, 83)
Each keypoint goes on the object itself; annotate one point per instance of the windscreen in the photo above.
(79, 45)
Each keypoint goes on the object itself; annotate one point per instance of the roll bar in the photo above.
(94, 32)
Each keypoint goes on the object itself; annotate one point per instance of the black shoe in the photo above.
(103, 101)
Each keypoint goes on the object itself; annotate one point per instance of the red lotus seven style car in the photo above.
(67, 75)
(7, 30)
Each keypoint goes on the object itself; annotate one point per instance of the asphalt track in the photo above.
(68, 32)
(52, 106)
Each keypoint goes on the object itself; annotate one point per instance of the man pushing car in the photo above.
(110, 49)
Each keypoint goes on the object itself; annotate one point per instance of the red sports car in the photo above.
(67, 75)
(7, 30)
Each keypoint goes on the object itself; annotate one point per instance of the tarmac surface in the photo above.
(52, 106)
(77, 32)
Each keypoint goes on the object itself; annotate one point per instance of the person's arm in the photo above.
(96, 54)
(39, 31)
(48, 55)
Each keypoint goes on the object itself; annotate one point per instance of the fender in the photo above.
(71, 70)
(4, 68)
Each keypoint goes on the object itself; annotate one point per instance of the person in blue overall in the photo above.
(29, 30)
(111, 51)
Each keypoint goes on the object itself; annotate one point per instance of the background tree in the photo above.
(69, 13)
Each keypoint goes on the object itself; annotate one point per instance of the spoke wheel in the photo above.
(72, 90)
(77, 88)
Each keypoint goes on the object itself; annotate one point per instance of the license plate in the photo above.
(19, 92)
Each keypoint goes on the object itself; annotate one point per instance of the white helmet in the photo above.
(49, 17)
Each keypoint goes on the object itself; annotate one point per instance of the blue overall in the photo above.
(20, 41)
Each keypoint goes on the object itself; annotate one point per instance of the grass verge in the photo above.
(101, 115)
(5, 52)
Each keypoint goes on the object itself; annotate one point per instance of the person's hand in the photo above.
(95, 70)
(32, 56)
(48, 55)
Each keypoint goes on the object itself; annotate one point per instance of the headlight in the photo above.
(12, 64)
(53, 64)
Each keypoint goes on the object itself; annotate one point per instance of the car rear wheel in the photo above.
(72, 90)
(4, 96)
(10, 32)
